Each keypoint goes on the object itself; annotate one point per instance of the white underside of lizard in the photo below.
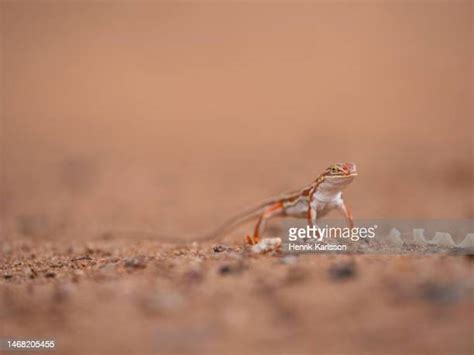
(328, 197)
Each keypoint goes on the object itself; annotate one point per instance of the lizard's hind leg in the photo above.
(270, 211)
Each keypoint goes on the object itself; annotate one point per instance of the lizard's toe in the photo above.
(250, 240)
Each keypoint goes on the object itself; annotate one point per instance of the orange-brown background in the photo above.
(171, 116)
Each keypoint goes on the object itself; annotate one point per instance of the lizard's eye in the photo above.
(334, 170)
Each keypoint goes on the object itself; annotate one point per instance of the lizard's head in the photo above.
(341, 171)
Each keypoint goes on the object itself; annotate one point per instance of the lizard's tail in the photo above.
(219, 232)
(234, 222)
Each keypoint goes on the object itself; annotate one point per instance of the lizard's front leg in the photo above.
(312, 213)
(346, 211)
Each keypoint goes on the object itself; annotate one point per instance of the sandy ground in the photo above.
(121, 120)
(113, 296)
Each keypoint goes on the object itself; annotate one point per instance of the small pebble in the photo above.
(31, 272)
(224, 269)
(266, 245)
(228, 269)
(137, 262)
(470, 257)
(219, 249)
(440, 293)
(342, 271)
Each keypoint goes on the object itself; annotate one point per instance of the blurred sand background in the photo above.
(169, 117)
(175, 115)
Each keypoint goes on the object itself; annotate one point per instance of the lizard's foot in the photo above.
(267, 245)
(251, 240)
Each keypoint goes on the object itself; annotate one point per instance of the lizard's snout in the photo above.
(349, 168)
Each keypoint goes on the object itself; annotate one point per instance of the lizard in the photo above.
(312, 202)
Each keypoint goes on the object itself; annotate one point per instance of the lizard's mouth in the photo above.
(343, 176)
